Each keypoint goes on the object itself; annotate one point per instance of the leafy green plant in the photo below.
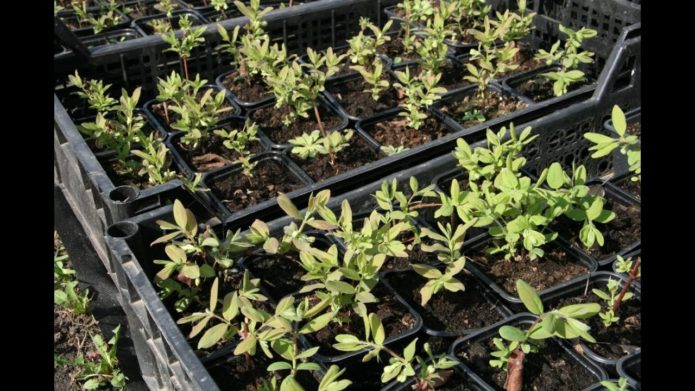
(401, 366)
(569, 59)
(608, 317)
(520, 24)
(420, 91)
(448, 243)
(299, 90)
(390, 150)
(490, 60)
(220, 6)
(167, 7)
(107, 16)
(308, 146)
(174, 88)
(431, 47)
(474, 115)
(363, 47)
(190, 39)
(96, 374)
(374, 77)
(623, 265)
(68, 296)
(565, 323)
(416, 11)
(94, 91)
(629, 145)
(155, 160)
(462, 15)
(198, 115)
(239, 140)
(515, 210)
(616, 385)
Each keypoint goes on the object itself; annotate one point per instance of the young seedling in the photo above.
(190, 39)
(416, 11)
(490, 60)
(431, 373)
(167, 7)
(420, 91)
(94, 91)
(94, 374)
(431, 48)
(569, 59)
(447, 245)
(155, 160)
(308, 146)
(363, 47)
(107, 16)
(173, 88)
(462, 15)
(629, 145)
(390, 150)
(220, 6)
(609, 317)
(563, 323)
(374, 77)
(613, 385)
(519, 24)
(199, 115)
(68, 296)
(299, 90)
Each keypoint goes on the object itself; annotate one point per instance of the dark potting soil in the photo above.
(448, 311)
(270, 119)
(495, 105)
(452, 75)
(527, 62)
(356, 155)
(240, 374)
(612, 341)
(549, 369)
(415, 255)
(280, 274)
(357, 102)
(396, 132)
(624, 230)
(555, 267)
(394, 316)
(211, 153)
(246, 89)
(269, 178)
(540, 89)
(395, 50)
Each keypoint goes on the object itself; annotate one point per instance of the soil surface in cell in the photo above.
(396, 132)
(467, 111)
(357, 154)
(246, 88)
(270, 119)
(210, 153)
(540, 89)
(357, 101)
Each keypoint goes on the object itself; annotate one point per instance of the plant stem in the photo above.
(631, 277)
(423, 206)
(323, 131)
(184, 61)
(166, 113)
(515, 366)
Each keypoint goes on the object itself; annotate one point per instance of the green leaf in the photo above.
(556, 176)
(548, 323)
(288, 207)
(511, 333)
(581, 311)
(619, 122)
(308, 366)
(191, 271)
(506, 178)
(376, 328)
(91, 384)
(290, 384)
(317, 323)
(213, 295)
(279, 366)
(529, 297)
(247, 345)
(409, 351)
(180, 215)
(340, 287)
(230, 306)
(212, 336)
(427, 271)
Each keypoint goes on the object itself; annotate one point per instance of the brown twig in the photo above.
(631, 277)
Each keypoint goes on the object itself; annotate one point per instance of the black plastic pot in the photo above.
(260, 209)
(631, 117)
(630, 367)
(322, 102)
(616, 197)
(124, 21)
(617, 185)
(188, 169)
(513, 82)
(155, 119)
(512, 300)
(249, 106)
(433, 330)
(142, 24)
(578, 288)
(520, 320)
